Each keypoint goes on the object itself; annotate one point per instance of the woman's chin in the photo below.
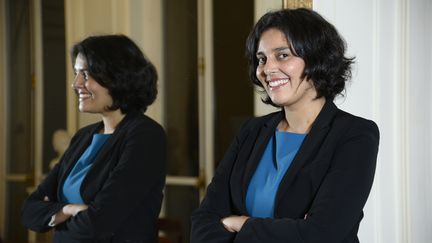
(83, 109)
(277, 102)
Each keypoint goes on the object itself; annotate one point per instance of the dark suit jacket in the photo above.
(123, 188)
(329, 180)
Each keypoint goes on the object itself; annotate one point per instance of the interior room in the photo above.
(205, 95)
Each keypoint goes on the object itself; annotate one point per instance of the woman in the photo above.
(302, 174)
(108, 185)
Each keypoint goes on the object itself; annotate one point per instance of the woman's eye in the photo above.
(261, 60)
(85, 75)
(283, 55)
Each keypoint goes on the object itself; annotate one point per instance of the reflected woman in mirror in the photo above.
(304, 173)
(107, 187)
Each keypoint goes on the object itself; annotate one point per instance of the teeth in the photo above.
(84, 96)
(278, 82)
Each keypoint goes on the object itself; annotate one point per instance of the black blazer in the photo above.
(328, 181)
(123, 188)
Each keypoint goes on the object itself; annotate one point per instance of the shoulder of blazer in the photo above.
(132, 123)
(88, 129)
(131, 120)
(136, 121)
(257, 122)
(356, 125)
(84, 132)
(253, 126)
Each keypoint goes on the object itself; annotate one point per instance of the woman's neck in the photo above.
(110, 120)
(299, 118)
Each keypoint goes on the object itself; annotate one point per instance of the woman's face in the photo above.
(92, 97)
(280, 71)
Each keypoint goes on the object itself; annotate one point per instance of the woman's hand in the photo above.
(73, 209)
(67, 211)
(234, 223)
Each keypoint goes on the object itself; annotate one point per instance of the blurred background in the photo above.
(198, 48)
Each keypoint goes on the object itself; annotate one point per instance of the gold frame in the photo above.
(292, 4)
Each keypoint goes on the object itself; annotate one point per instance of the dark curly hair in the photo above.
(314, 40)
(118, 64)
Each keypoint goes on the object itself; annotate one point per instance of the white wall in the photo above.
(391, 40)
(419, 123)
(391, 85)
(373, 34)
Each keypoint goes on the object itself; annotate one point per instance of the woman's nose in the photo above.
(270, 67)
(78, 81)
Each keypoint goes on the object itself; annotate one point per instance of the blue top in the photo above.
(278, 155)
(71, 187)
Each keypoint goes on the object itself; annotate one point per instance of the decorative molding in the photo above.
(292, 4)
(376, 195)
(3, 125)
(37, 64)
(205, 94)
(402, 71)
(72, 25)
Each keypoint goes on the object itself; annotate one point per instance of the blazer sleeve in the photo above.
(139, 173)
(36, 212)
(206, 226)
(340, 199)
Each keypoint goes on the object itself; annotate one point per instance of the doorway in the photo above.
(207, 94)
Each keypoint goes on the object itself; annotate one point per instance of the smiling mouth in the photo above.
(277, 83)
(83, 96)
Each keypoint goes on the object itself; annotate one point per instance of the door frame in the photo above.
(205, 103)
(3, 124)
(206, 92)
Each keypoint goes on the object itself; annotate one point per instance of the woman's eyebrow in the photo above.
(283, 48)
(276, 49)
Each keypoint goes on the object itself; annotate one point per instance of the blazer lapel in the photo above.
(99, 160)
(309, 148)
(262, 139)
(82, 145)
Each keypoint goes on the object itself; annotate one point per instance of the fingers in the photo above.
(226, 223)
(74, 209)
(234, 223)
